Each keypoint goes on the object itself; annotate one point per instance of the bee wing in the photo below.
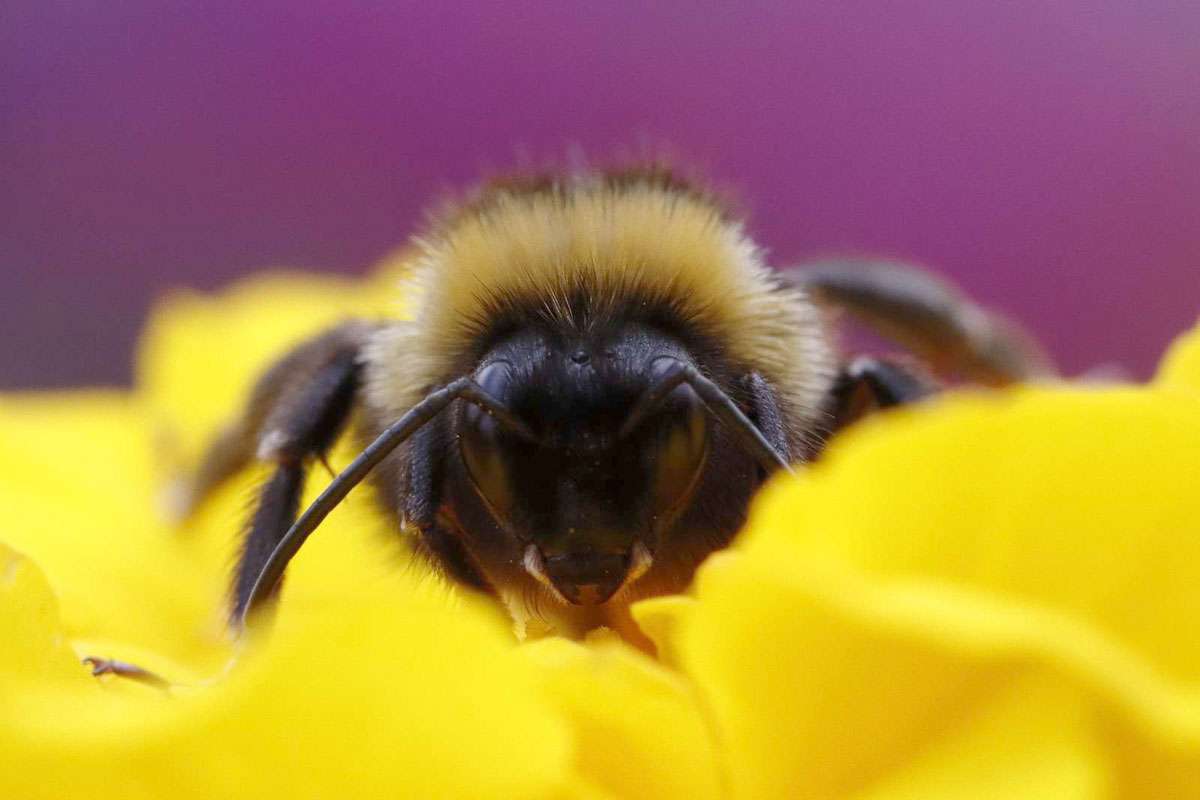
(927, 315)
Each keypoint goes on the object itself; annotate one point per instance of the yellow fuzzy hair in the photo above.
(619, 240)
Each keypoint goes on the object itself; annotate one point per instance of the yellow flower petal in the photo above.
(1180, 367)
(39, 670)
(379, 695)
(77, 496)
(1066, 499)
(661, 618)
(936, 558)
(35, 648)
(1032, 742)
(638, 729)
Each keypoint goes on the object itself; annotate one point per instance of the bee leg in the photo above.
(433, 520)
(451, 556)
(274, 512)
(927, 315)
(282, 410)
(297, 411)
(464, 388)
(867, 384)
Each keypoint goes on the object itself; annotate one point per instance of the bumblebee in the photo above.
(601, 372)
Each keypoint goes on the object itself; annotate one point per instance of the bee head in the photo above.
(610, 464)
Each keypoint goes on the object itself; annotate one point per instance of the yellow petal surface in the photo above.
(1180, 367)
(77, 492)
(35, 647)
(938, 558)
(384, 694)
(1032, 741)
(638, 729)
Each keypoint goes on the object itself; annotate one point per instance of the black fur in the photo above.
(277, 504)
(311, 420)
(304, 420)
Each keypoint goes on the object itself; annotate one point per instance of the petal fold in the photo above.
(939, 557)
(638, 728)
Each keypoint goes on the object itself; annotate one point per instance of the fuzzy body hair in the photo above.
(630, 242)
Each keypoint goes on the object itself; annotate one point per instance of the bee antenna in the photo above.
(397, 433)
(668, 373)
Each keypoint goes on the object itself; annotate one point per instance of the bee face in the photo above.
(586, 502)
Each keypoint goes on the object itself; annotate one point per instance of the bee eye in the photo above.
(681, 450)
(480, 445)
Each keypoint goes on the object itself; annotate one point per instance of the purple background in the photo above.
(1046, 155)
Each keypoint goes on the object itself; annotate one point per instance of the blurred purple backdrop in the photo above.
(1046, 155)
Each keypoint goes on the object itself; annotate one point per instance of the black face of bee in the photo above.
(586, 499)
